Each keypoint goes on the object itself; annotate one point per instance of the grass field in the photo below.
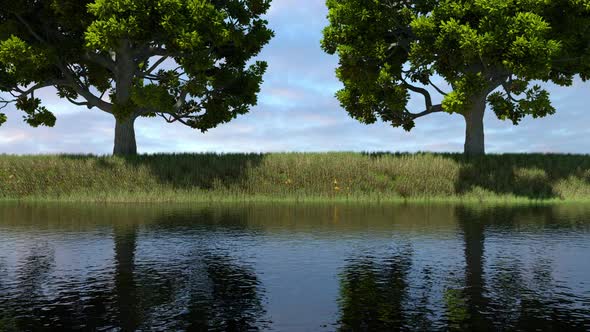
(296, 177)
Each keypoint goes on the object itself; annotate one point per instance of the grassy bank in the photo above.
(295, 176)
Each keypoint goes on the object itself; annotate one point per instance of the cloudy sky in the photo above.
(297, 111)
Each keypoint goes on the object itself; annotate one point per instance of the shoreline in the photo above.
(188, 198)
(333, 177)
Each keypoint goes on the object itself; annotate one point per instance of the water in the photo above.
(294, 268)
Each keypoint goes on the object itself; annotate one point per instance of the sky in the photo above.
(297, 111)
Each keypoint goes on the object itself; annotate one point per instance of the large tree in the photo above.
(489, 52)
(186, 61)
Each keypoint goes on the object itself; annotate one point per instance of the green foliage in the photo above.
(362, 33)
(153, 95)
(536, 103)
(189, 61)
(124, 110)
(570, 23)
(36, 114)
(477, 46)
(19, 60)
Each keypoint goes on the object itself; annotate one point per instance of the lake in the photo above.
(307, 267)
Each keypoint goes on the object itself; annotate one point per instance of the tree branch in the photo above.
(173, 118)
(5, 103)
(30, 29)
(433, 109)
(83, 91)
(508, 92)
(102, 60)
(176, 114)
(155, 65)
(436, 88)
(422, 91)
(79, 103)
(37, 86)
(150, 51)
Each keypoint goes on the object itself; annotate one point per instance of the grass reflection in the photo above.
(194, 268)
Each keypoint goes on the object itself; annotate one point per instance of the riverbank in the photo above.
(291, 177)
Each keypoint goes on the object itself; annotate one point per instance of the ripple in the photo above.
(229, 268)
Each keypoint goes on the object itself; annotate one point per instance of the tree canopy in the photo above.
(186, 61)
(487, 51)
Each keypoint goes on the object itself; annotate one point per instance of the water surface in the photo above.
(294, 267)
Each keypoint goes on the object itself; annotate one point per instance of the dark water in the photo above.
(294, 268)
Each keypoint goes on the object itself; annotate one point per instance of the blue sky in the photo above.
(297, 111)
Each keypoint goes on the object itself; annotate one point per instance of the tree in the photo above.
(186, 61)
(488, 51)
(570, 22)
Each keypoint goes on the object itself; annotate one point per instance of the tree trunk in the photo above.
(125, 144)
(474, 136)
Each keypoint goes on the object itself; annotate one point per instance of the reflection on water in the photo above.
(308, 267)
(374, 291)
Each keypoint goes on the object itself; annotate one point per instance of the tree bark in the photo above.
(125, 144)
(474, 135)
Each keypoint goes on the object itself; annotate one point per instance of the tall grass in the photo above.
(295, 176)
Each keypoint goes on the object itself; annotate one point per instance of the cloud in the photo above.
(76, 132)
(297, 111)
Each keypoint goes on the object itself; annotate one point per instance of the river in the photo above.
(288, 267)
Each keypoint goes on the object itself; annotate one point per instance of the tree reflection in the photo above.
(511, 302)
(125, 237)
(203, 286)
(475, 302)
(41, 297)
(373, 292)
(183, 272)
(227, 300)
(211, 290)
(20, 308)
